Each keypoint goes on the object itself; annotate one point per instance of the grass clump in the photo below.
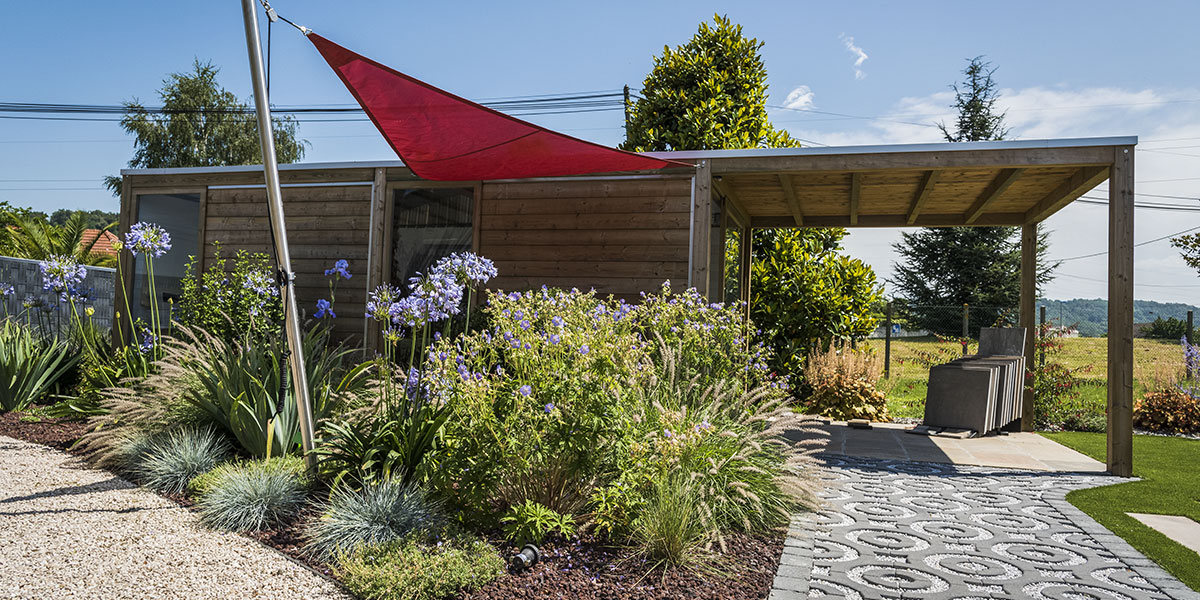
(167, 461)
(841, 385)
(409, 569)
(251, 496)
(670, 530)
(377, 514)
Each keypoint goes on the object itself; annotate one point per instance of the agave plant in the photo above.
(29, 364)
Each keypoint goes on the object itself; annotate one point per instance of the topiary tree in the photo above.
(709, 94)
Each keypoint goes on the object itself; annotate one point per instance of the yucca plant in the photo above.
(252, 495)
(29, 364)
(168, 461)
(377, 514)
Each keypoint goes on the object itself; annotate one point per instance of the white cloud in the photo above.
(800, 98)
(859, 56)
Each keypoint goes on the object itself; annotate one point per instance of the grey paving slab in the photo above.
(900, 529)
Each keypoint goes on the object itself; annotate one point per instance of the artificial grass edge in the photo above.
(1108, 504)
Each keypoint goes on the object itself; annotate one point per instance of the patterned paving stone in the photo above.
(894, 529)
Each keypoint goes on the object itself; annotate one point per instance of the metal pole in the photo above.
(887, 342)
(266, 140)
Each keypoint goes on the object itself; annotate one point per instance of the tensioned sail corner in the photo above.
(443, 137)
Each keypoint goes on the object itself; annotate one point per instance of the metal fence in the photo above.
(43, 309)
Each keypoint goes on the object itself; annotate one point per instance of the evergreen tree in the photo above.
(202, 125)
(711, 93)
(981, 266)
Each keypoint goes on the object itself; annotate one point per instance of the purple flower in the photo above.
(667, 434)
(324, 309)
(525, 324)
(62, 275)
(148, 238)
(465, 268)
(557, 321)
(550, 407)
(149, 340)
(340, 268)
(525, 390)
(7, 289)
(555, 339)
(584, 349)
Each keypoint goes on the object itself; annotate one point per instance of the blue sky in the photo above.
(1067, 69)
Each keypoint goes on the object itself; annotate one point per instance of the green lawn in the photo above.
(1170, 485)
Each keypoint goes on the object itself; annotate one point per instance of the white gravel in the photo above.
(69, 531)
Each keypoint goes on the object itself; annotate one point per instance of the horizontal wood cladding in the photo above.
(619, 237)
(324, 224)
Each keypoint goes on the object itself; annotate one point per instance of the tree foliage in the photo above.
(710, 93)
(1189, 249)
(966, 265)
(202, 125)
(93, 219)
(32, 236)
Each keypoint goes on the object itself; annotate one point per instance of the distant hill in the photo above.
(1091, 316)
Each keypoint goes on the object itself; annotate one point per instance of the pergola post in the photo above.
(700, 251)
(1026, 309)
(1120, 313)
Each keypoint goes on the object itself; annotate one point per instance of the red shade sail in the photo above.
(446, 138)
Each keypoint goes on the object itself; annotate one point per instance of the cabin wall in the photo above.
(621, 236)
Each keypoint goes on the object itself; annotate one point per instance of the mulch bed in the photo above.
(56, 433)
(585, 569)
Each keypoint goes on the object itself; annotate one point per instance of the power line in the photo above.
(1165, 237)
(1135, 284)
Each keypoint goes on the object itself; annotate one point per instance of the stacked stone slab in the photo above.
(982, 392)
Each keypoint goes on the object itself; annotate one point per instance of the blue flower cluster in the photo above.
(63, 276)
(340, 268)
(7, 289)
(433, 297)
(467, 267)
(148, 238)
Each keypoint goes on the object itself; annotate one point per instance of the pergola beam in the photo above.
(994, 190)
(732, 205)
(789, 194)
(929, 220)
(1078, 184)
(1081, 156)
(929, 180)
(855, 194)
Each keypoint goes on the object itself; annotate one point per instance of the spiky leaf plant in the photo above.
(29, 364)
(378, 513)
(169, 460)
(251, 496)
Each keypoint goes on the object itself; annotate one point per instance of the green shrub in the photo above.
(377, 514)
(1165, 329)
(532, 522)
(412, 570)
(670, 530)
(220, 302)
(1057, 403)
(30, 365)
(166, 462)
(251, 496)
(841, 384)
(1168, 410)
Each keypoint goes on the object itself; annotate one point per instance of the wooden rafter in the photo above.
(732, 205)
(1080, 182)
(855, 192)
(929, 180)
(789, 194)
(994, 190)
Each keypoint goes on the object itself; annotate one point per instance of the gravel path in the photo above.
(69, 531)
(896, 529)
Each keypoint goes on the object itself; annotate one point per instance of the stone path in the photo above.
(68, 531)
(896, 529)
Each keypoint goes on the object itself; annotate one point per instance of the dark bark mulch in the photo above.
(585, 570)
(56, 433)
(289, 539)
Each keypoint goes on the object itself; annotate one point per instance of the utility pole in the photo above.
(266, 140)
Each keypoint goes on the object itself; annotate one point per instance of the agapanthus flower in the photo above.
(62, 275)
(437, 295)
(31, 301)
(340, 268)
(466, 268)
(380, 301)
(148, 341)
(7, 289)
(324, 309)
(148, 238)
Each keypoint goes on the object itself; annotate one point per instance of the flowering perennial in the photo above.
(62, 275)
(324, 310)
(148, 238)
(340, 268)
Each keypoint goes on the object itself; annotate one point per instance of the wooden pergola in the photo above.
(972, 184)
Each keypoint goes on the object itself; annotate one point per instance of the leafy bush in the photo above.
(532, 522)
(1165, 329)
(168, 461)
(670, 529)
(1168, 411)
(234, 303)
(251, 496)
(841, 385)
(412, 570)
(1057, 403)
(377, 514)
(29, 364)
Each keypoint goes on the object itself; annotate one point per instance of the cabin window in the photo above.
(427, 224)
(179, 214)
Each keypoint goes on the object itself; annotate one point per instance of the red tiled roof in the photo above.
(105, 246)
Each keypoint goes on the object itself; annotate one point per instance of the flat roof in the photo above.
(708, 154)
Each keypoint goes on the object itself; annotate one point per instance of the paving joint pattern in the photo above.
(898, 529)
